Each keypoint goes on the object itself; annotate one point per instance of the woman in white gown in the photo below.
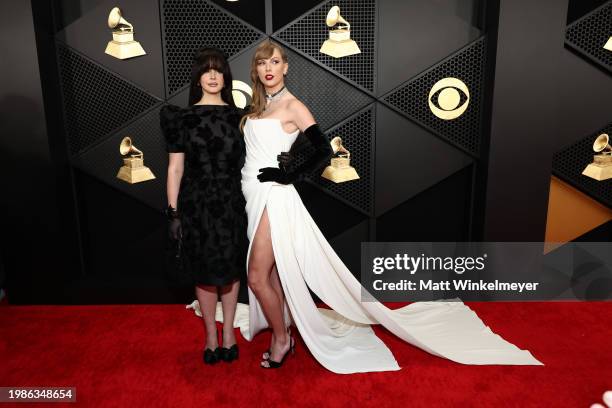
(288, 254)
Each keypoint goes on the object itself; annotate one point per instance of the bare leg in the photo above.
(278, 288)
(229, 299)
(207, 297)
(261, 261)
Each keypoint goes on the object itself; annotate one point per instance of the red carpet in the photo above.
(150, 356)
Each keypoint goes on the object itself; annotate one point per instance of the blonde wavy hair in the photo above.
(258, 103)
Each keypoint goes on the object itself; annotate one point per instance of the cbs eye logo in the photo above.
(240, 92)
(446, 100)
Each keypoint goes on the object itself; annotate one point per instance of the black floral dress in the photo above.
(210, 202)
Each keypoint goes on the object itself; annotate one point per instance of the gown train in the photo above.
(342, 339)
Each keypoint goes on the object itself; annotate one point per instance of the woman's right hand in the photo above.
(175, 230)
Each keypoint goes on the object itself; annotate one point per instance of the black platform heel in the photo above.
(229, 354)
(279, 364)
(210, 356)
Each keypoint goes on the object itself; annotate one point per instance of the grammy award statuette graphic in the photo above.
(445, 99)
(339, 44)
(133, 169)
(340, 169)
(601, 168)
(122, 45)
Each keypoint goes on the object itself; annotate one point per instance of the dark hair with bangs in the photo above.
(205, 59)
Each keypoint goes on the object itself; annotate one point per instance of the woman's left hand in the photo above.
(273, 174)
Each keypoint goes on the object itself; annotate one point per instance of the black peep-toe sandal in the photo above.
(279, 364)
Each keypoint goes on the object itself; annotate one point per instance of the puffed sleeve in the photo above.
(236, 117)
(170, 118)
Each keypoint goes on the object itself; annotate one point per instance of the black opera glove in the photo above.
(280, 175)
(321, 155)
(285, 159)
(274, 174)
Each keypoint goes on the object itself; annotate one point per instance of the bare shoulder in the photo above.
(297, 106)
(300, 113)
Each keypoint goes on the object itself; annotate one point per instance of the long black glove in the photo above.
(285, 159)
(322, 154)
(175, 230)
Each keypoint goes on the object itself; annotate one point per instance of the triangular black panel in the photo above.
(357, 133)
(308, 33)
(329, 98)
(284, 12)
(579, 8)
(90, 34)
(569, 163)
(589, 34)
(411, 22)
(409, 159)
(324, 209)
(252, 11)
(190, 25)
(411, 99)
(104, 160)
(348, 245)
(95, 100)
(438, 214)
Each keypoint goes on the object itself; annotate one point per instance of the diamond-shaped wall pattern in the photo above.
(104, 160)
(588, 35)
(191, 24)
(102, 107)
(308, 33)
(569, 163)
(329, 98)
(358, 136)
(95, 100)
(411, 99)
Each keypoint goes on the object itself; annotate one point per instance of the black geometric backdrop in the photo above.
(411, 99)
(588, 35)
(92, 95)
(342, 93)
(191, 24)
(569, 163)
(307, 33)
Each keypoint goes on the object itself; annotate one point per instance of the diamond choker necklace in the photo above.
(276, 95)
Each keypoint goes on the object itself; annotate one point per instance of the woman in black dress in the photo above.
(206, 208)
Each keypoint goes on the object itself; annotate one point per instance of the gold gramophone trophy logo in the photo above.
(123, 45)
(601, 168)
(133, 169)
(608, 45)
(339, 44)
(340, 169)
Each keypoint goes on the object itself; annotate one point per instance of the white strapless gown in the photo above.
(342, 339)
